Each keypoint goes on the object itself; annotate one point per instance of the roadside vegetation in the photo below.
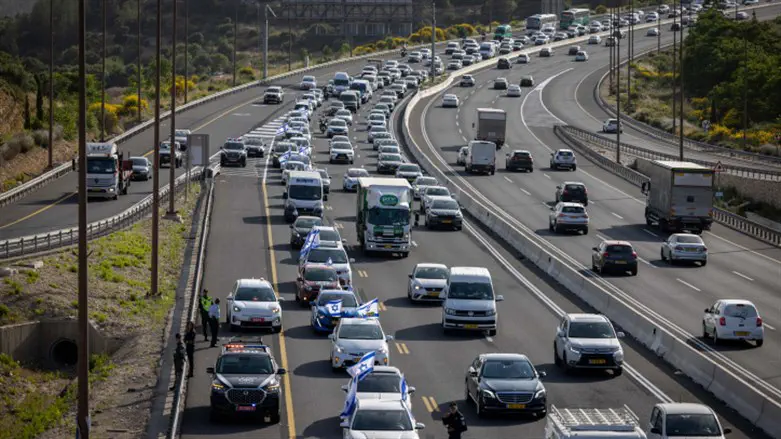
(37, 401)
(723, 59)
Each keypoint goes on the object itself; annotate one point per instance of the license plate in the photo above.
(434, 294)
(258, 319)
(388, 246)
(447, 221)
(95, 190)
(245, 408)
(620, 262)
(597, 361)
(516, 406)
(741, 333)
(470, 326)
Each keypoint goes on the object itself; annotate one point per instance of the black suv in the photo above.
(572, 192)
(519, 159)
(504, 63)
(246, 382)
(617, 256)
(506, 383)
(233, 152)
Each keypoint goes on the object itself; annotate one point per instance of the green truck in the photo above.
(383, 212)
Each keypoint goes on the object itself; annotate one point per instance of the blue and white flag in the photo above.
(363, 367)
(370, 309)
(311, 242)
(351, 401)
(329, 262)
(404, 388)
(282, 129)
(303, 150)
(334, 307)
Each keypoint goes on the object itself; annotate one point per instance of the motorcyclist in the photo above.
(325, 92)
(404, 50)
(323, 125)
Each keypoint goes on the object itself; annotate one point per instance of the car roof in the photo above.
(438, 187)
(686, 408)
(320, 267)
(577, 183)
(253, 282)
(565, 150)
(525, 151)
(430, 265)
(359, 321)
(617, 242)
(583, 317)
(569, 204)
(326, 228)
(737, 302)
(504, 356)
(381, 404)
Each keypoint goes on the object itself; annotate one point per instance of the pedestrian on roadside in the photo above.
(179, 359)
(189, 344)
(454, 422)
(214, 320)
(204, 305)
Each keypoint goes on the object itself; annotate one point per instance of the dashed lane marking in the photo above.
(508, 179)
(525, 191)
(430, 403)
(688, 284)
(363, 273)
(617, 215)
(402, 348)
(743, 276)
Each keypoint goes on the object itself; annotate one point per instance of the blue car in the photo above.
(322, 320)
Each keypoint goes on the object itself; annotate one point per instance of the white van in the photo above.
(304, 195)
(481, 157)
(364, 88)
(469, 301)
(342, 82)
(487, 50)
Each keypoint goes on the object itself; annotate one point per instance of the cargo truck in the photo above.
(382, 219)
(679, 196)
(491, 125)
(108, 174)
(587, 423)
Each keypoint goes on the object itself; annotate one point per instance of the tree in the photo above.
(39, 97)
(27, 122)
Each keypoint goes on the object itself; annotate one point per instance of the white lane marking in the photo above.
(546, 176)
(489, 339)
(508, 179)
(650, 233)
(525, 191)
(457, 122)
(577, 87)
(646, 262)
(601, 237)
(743, 276)
(414, 244)
(460, 131)
(463, 137)
(542, 86)
(617, 215)
(545, 204)
(592, 202)
(688, 284)
(772, 328)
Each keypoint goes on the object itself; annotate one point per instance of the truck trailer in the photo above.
(108, 173)
(382, 218)
(589, 423)
(491, 125)
(679, 196)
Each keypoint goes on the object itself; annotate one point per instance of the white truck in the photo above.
(491, 125)
(679, 196)
(304, 195)
(588, 423)
(108, 174)
(481, 157)
(382, 219)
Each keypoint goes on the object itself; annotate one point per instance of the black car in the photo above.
(504, 63)
(519, 160)
(618, 256)
(301, 227)
(254, 146)
(527, 81)
(245, 382)
(572, 192)
(505, 383)
(444, 213)
(278, 150)
(233, 152)
(573, 50)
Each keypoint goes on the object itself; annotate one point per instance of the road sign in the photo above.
(199, 144)
(719, 167)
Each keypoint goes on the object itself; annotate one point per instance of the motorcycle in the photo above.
(323, 126)
(403, 53)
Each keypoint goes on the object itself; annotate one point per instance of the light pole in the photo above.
(186, 40)
(138, 72)
(103, 81)
(433, 39)
(618, 94)
(235, 31)
(745, 89)
(681, 99)
(51, 82)
(153, 290)
(82, 416)
(172, 164)
(658, 30)
(611, 55)
(265, 39)
(629, 54)
(675, 34)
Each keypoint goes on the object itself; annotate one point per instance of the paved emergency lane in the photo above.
(679, 293)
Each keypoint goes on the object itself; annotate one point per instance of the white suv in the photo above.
(381, 419)
(253, 303)
(469, 301)
(588, 341)
(355, 337)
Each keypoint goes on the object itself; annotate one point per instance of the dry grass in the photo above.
(120, 306)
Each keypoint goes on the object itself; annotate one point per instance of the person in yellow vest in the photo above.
(204, 305)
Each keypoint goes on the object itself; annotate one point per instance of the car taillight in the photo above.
(723, 321)
(704, 249)
(605, 255)
(561, 215)
(759, 322)
(565, 192)
(634, 255)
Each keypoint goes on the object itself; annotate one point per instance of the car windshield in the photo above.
(618, 249)
(253, 141)
(100, 166)
(165, 146)
(360, 332)
(690, 425)
(378, 117)
(357, 173)
(437, 192)
(322, 255)
(338, 123)
(348, 300)
(233, 145)
(388, 217)
(380, 383)
(273, 90)
(307, 222)
(508, 369)
(341, 145)
(444, 205)
(572, 209)
(740, 311)
(470, 291)
(181, 133)
(309, 79)
(255, 294)
(382, 420)
(591, 330)
(294, 166)
(302, 192)
(574, 188)
(378, 128)
(241, 364)
(327, 235)
(685, 239)
(390, 158)
(320, 275)
(389, 149)
(426, 181)
(409, 168)
(431, 273)
(521, 154)
(140, 162)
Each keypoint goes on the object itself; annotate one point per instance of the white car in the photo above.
(611, 126)
(578, 335)
(341, 152)
(581, 56)
(355, 337)
(450, 101)
(339, 260)
(253, 303)
(733, 319)
(426, 282)
(382, 384)
(408, 171)
(523, 59)
(514, 91)
(652, 32)
(381, 419)
(455, 65)
(421, 183)
(679, 419)
(594, 39)
(374, 129)
(467, 81)
(292, 166)
(308, 82)
(430, 193)
(684, 247)
(566, 216)
(563, 158)
(180, 137)
(345, 115)
(350, 178)
(462, 154)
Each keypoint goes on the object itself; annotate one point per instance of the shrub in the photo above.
(20, 143)
(41, 137)
(245, 72)
(600, 9)
(768, 149)
(364, 50)
(130, 105)
(718, 132)
(111, 120)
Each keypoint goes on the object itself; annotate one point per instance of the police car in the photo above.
(246, 382)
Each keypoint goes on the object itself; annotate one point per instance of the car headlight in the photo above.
(275, 310)
(487, 394)
(619, 355)
(450, 311)
(574, 350)
(458, 214)
(417, 287)
(272, 387)
(218, 386)
(490, 312)
(338, 349)
(383, 350)
(539, 394)
(236, 309)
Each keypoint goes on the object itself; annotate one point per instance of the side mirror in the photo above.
(284, 195)
(499, 298)
(411, 390)
(344, 241)
(210, 370)
(542, 374)
(352, 260)
(419, 426)
(473, 124)
(331, 336)
(229, 298)
(595, 249)
(281, 371)
(552, 208)
(389, 338)
(620, 334)
(344, 388)
(707, 310)
(559, 333)
(727, 430)
(410, 276)
(325, 197)
(344, 424)
(655, 430)
(558, 187)
(291, 226)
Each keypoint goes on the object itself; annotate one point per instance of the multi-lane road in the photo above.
(739, 267)
(249, 238)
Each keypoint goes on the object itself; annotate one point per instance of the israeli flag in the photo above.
(363, 367)
(334, 308)
(370, 309)
(282, 129)
(329, 262)
(312, 241)
(404, 388)
(351, 401)
(303, 150)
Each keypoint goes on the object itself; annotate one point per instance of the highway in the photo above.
(739, 267)
(249, 238)
(53, 207)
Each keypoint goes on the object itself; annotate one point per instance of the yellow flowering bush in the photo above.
(130, 105)
(718, 132)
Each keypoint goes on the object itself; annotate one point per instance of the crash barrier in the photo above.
(36, 183)
(576, 138)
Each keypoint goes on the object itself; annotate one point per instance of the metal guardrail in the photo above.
(723, 217)
(36, 183)
(28, 245)
(739, 171)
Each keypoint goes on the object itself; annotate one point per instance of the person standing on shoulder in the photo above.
(454, 422)
(179, 360)
(204, 305)
(214, 320)
(189, 344)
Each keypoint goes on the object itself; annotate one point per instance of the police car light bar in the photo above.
(244, 347)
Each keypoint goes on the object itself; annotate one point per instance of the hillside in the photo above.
(10, 8)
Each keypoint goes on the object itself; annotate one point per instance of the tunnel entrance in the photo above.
(64, 352)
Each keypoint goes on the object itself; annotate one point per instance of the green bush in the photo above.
(600, 9)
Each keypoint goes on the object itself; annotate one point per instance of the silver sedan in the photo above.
(426, 282)
(684, 247)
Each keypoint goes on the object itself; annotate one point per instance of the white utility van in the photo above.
(342, 82)
(487, 50)
(469, 301)
(304, 195)
(481, 157)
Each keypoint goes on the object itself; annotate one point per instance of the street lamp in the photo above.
(51, 82)
(186, 40)
(171, 214)
(153, 289)
(433, 40)
(265, 39)
(138, 67)
(103, 80)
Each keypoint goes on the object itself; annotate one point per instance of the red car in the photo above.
(312, 279)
